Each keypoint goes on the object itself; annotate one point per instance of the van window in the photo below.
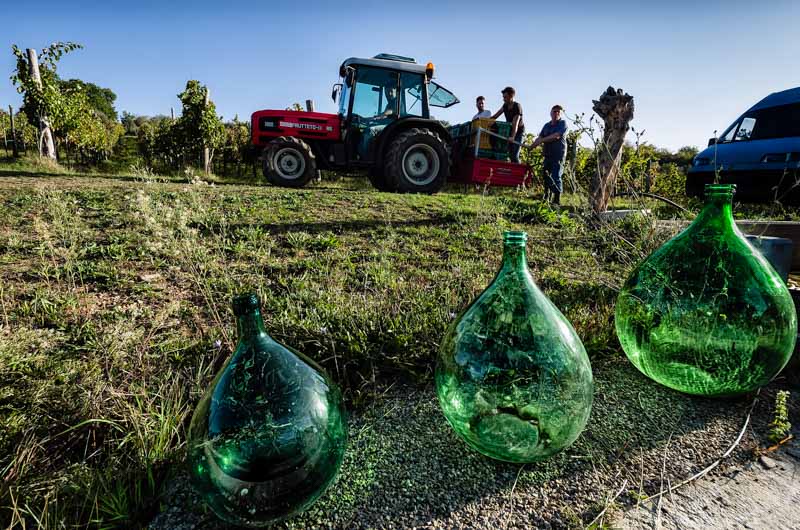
(728, 136)
(745, 129)
(777, 122)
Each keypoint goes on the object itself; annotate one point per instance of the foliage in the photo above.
(48, 99)
(533, 157)
(27, 134)
(129, 123)
(199, 126)
(643, 167)
(101, 100)
(179, 142)
(158, 143)
(80, 114)
(236, 141)
(779, 427)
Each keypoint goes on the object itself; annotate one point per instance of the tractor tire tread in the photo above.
(393, 171)
(289, 141)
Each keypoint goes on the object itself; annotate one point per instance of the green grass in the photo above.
(115, 294)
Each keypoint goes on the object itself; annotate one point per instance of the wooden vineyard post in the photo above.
(206, 150)
(14, 149)
(46, 146)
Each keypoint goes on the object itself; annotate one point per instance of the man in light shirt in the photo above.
(482, 112)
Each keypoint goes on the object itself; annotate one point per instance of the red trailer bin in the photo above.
(491, 172)
(470, 168)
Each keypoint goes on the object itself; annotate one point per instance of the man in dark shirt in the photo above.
(512, 111)
(554, 138)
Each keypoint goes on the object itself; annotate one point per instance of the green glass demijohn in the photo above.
(512, 376)
(268, 437)
(706, 313)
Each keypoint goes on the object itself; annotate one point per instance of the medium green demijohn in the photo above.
(512, 377)
(706, 313)
(269, 435)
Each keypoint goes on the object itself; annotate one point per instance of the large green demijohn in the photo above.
(512, 377)
(268, 437)
(706, 313)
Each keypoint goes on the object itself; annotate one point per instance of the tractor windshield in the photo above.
(439, 96)
(375, 93)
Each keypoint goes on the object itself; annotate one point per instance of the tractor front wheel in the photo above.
(417, 162)
(289, 162)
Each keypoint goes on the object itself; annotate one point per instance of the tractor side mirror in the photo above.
(712, 141)
(337, 88)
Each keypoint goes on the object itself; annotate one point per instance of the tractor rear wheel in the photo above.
(417, 162)
(289, 162)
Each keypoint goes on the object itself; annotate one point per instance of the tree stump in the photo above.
(616, 109)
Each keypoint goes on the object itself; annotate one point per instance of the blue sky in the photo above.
(692, 67)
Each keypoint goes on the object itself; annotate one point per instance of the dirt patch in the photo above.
(762, 494)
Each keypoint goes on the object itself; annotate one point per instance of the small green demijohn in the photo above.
(269, 435)
(706, 313)
(512, 377)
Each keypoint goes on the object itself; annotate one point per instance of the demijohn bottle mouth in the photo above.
(515, 238)
(246, 303)
(720, 191)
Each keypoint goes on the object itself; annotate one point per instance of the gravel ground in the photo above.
(405, 467)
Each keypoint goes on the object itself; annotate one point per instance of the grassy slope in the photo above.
(114, 309)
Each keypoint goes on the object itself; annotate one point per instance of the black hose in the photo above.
(653, 196)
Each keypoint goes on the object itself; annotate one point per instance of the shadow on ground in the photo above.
(405, 467)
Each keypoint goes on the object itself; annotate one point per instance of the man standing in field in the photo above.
(512, 111)
(554, 138)
(482, 112)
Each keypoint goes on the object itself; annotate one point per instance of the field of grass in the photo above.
(115, 309)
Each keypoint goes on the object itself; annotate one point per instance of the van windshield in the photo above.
(782, 121)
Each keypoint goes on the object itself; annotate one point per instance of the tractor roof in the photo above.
(388, 61)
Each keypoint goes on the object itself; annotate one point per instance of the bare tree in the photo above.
(616, 109)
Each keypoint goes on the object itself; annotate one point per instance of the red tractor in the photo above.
(383, 126)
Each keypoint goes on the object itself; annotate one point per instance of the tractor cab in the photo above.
(380, 97)
(383, 125)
